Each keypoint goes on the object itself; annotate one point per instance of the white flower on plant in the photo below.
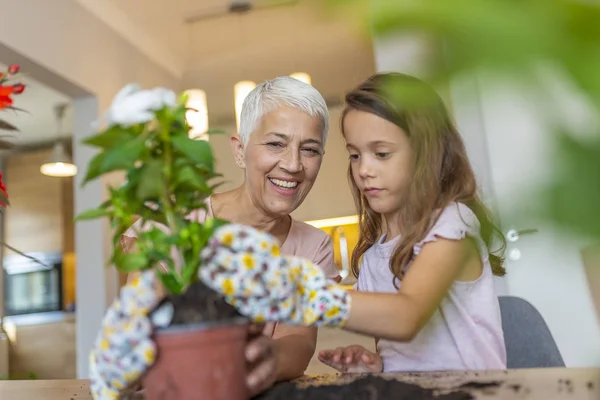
(135, 106)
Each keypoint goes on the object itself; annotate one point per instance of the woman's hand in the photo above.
(352, 359)
(261, 359)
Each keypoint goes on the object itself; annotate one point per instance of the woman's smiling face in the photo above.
(282, 159)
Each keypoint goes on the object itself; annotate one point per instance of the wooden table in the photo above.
(530, 384)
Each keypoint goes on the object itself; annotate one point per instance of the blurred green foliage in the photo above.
(16, 376)
(510, 39)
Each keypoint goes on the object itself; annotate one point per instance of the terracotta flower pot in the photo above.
(200, 361)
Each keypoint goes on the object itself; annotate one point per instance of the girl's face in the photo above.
(381, 160)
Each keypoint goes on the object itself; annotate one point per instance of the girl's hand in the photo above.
(352, 359)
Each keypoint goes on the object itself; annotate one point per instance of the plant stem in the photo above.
(23, 254)
(168, 207)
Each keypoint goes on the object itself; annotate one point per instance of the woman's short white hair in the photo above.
(281, 92)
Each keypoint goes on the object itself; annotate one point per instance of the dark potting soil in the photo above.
(370, 387)
(199, 303)
(480, 385)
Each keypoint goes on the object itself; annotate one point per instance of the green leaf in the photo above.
(158, 240)
(190, 273)
(118, 158)
(179, 115)
(199, 151)
(149, 214)
(111, 137)
(170, 282)
(123, 156)
(151, 184)
(191, 177)
(133, 177)
(93, 170)
(93, 214)
(155, 235)
(130, 262)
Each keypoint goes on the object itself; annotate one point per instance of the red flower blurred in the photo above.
(18, 88)
(4, 192)
(5, 100)
(7, 90)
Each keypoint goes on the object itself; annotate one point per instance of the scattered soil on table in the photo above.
(368, 388)
(515, 387)
(199, 303)
(480, 385)
(565, 384)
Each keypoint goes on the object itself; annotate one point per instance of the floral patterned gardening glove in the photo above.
(245, 266)
(124, 349)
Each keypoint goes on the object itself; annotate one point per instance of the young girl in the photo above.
(424, 236)
(423, 261)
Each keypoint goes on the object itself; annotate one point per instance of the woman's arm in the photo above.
(294, 348)
(401, 316)
(324, 258)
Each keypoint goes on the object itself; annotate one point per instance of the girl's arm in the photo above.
(295, 291)
(401, 316)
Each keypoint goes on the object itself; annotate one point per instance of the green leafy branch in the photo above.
(168, 175)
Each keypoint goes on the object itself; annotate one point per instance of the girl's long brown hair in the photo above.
(442, 172)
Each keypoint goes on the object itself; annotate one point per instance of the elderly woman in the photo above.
(280, 147)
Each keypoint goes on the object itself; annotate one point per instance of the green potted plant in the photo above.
(169, 175)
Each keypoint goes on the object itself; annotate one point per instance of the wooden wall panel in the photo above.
(33, 221)
(40, 219)
(46, 350)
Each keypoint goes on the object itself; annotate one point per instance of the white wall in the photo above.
(549, 272)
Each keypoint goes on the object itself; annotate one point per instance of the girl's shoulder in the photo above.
(459, 217)
(454, 222)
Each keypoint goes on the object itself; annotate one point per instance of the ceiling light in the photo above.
(301, 76)
(197, 117)
(59, 164)
(240, 91)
